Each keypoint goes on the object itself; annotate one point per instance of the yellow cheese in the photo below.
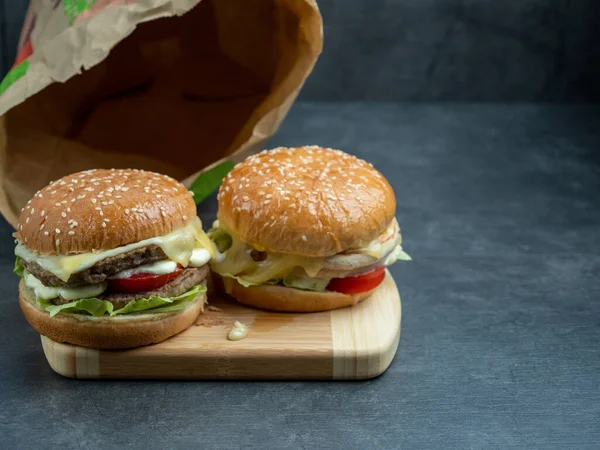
(238, 262)
(375, 248)
(178, 246)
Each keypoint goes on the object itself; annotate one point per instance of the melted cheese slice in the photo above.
(375, 248)
(237, 260)
(178, 246)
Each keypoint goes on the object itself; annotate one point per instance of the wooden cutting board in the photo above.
(350, 343)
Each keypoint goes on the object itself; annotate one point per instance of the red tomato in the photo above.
(358, 284)
(141, 282)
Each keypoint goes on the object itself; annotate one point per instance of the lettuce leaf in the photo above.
(98, 308)
(307, 284)
(210, 180)
(403, 256)
(244, 282)
(221, 239)
(18, 270)
(91, 306)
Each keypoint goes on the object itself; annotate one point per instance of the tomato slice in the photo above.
(358, 284)
(141, 282)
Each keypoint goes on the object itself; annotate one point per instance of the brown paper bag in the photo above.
(164, 85)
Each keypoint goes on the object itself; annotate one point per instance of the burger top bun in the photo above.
(102, 209)
(309, 201)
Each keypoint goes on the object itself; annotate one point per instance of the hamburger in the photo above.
(111, 259)
(304, 229)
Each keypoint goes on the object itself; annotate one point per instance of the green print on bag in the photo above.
(13, 75)
(75, 7)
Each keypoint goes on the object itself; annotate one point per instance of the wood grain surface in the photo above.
(350, 343)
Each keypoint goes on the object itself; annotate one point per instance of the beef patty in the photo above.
(101, 270)
(187, 279)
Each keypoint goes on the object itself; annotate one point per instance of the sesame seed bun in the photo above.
(103, 209)
(125, 331)
(284, 299)
(309, 201)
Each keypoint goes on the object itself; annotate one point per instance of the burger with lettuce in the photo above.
(112, 259)
(304, 229)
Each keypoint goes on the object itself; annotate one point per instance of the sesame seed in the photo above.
(101, 213)
(126, 211)
(71, 233)
(32, 211)
(42, 226)
(103, 224)
(63, 214)
(57, 231)
(164, 214)
(58, 204)
(94, 200)
(46, 233)
(184, 217)
(27, 220)
(57, 242)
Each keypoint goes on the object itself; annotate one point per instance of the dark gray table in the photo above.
(500, 208)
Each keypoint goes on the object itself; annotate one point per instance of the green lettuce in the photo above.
(98, 308)
(403, 256)
(210, 180)
(18, 270)
(244, 282)
(221, 239)
(305, 284)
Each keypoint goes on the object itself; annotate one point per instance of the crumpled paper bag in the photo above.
(165, 85)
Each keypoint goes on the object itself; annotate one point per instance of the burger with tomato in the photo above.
(111, 259)
(304, 229)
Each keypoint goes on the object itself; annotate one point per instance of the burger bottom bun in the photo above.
(284, 299)
(108, 332)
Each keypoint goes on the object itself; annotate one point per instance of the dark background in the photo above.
(499, 203)
(438, 50)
